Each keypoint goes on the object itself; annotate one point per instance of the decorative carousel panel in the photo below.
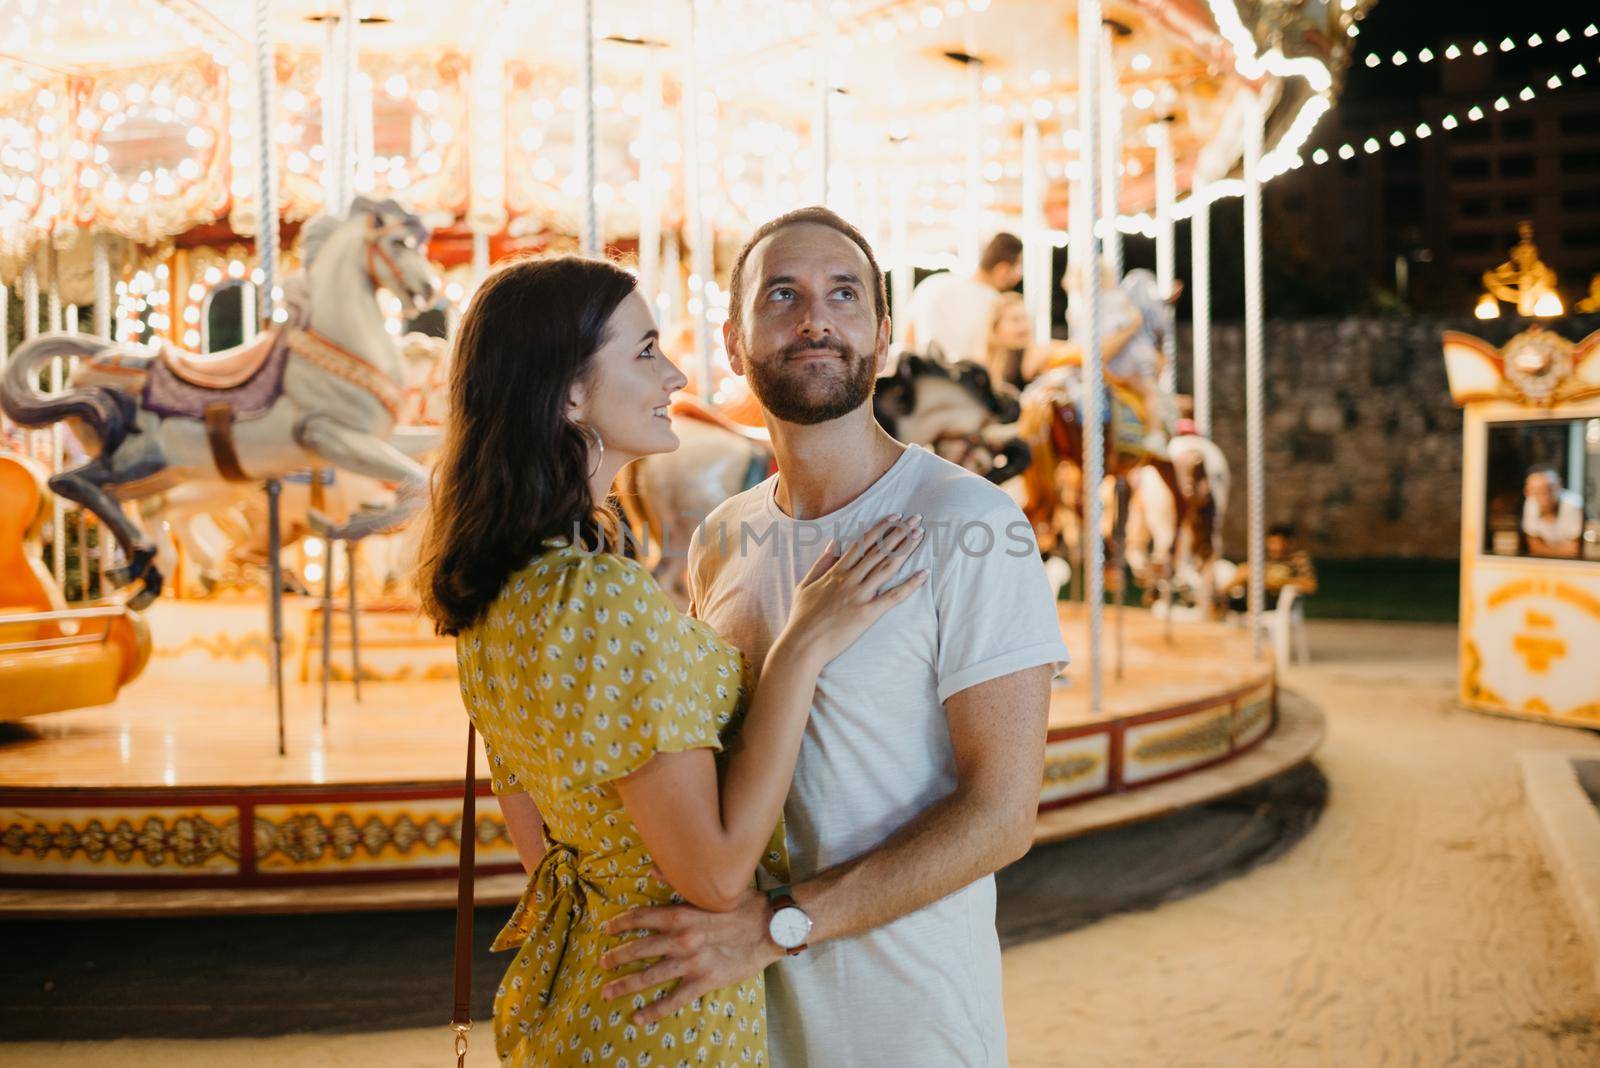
(157, 149)
(1176, 743)
(542, 138)
(110, 841)
(375, 836)
(411, 131)
(38, 158)
(1076, 767)
(1529, 631)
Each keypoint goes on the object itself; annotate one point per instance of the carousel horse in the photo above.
(1175, 502)
(52, 657)
(952, 409)
(221, 527)
(323, 389)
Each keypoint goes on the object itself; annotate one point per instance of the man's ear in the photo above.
(881, 355)
(735, 346)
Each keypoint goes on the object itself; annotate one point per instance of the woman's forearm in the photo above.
(757, 775)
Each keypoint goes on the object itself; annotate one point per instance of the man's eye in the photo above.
(649, 353)
(781, 293)
(845, 292)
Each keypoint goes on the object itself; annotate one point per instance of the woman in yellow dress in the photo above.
(600, 705)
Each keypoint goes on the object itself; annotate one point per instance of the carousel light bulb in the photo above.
(1501, 104)
(932, 16)
(441, 132)
(135, 93)
(1526, 94)
(1480, 49)
(1371, 145)
(1397, 139)
(109, 103)
(1373, 60)
(257, 275)
(1535, 41)
(213, 275)
(1452, 52)
(1320, 156)
(1424, 130)
(1398, 59)
(1487, 307)
(1140, 61)
(1563, 36)
(1578, 71)
(1554, 82)
(1548, 305)
(191, 314)
(197, 292)
(1507, 44)
(1425, 56)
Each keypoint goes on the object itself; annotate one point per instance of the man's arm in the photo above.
(997, 730)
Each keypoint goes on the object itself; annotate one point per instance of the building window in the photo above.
(1525, 513)
(1586, 122)
(1471, 169)
(1474, 208)
(1589, 238)
(1472, 242)
(1516, 205)
(1581, 199)
(1580, 162)
(1516, 129)
(1520, 166)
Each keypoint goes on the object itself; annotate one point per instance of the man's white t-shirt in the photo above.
(925, 989)
(955, 312)
(1566, 525)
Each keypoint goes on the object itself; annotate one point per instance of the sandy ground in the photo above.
(1414, 926)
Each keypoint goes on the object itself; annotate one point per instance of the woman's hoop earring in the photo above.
(597, 441)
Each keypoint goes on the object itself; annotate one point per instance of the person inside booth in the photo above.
(1552, 517)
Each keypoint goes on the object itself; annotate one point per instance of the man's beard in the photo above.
(797, 397)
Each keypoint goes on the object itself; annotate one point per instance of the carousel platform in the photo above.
(174, 799)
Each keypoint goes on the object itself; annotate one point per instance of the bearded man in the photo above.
(919, 773)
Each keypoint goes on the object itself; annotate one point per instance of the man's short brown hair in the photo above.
(823, 217)
(1002, 248)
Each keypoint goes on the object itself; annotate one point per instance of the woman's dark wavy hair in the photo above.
(513, 469)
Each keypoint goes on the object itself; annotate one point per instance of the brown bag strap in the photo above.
(461, 1015)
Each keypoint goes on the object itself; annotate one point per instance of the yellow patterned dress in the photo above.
(579, 671)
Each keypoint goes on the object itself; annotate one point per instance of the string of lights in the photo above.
(1479, 48)
(1423, 130)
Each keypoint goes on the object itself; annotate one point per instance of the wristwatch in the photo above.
(788, 925)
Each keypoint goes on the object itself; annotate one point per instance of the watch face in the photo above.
(789, 927)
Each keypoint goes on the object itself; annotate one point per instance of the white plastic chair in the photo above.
(1287, 625)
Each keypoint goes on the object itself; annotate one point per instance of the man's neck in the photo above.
(982, 276)
(824, 467)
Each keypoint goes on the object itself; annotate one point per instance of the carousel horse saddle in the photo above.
(690, 407)
(247, 379)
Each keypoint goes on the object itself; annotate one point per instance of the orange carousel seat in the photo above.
(52, 657)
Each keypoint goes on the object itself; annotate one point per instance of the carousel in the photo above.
(239, 234)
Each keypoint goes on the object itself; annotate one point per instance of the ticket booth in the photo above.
(1530, 524)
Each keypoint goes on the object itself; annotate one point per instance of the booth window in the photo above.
(1542, 496)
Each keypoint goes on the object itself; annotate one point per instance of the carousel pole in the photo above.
(591, 223)
(972, 210)
(1035, 238)
(5, 343)
(702, 261)
(649, 190)
(267, 252)
(1092, 401)
(901, 276)
(1253, 365)
(1111, 156)
(1166, 248)
(58, 435)
(822, 123)
(102, 329)
(1200, 301)
(30, 328)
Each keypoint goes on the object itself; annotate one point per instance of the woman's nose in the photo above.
(676, 379)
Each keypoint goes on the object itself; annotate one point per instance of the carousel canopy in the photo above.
(139, 117)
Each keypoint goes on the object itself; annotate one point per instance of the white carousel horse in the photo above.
(322, 390)
(221, 527)
(953, 409)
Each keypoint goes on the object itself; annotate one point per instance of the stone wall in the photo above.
(1363, 443)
